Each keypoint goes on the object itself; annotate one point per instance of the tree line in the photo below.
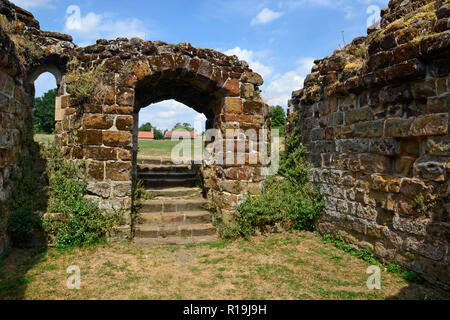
(44, 117)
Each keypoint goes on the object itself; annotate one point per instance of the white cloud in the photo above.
(94, 26)
(279, 90)
(252, 59)
(266, 16)
(278, 87)
(33, 3)
(165, 114)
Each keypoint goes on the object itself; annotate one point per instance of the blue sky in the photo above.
(278, 38)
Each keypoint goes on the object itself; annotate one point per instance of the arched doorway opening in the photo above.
(175, 203)
(46, 92)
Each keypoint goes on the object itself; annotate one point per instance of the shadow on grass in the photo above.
(27, 236)
(14, 267)
(420, 290)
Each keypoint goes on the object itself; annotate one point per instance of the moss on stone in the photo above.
(81, 85)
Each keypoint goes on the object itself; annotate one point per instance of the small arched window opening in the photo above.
(46, 90)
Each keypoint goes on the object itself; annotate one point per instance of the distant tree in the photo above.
(159, 135)
(147, 127)
(278, 117)
(44, 112)
(183, 126)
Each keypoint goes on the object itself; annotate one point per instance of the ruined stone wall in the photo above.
(11, 124)
(15, 111)
(25, 53)
(101, 90)
(109, 82)
(375, 121)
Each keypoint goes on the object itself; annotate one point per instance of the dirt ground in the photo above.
(280, 266)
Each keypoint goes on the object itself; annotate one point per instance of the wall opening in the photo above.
(45, 93)
(170, 129)
(185, 98)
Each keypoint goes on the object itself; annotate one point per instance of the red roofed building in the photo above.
(181, 135)
(146, 135)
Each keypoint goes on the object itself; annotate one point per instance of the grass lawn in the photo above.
(163, 148)
(44, 138)
(280, 266)
(152, 148)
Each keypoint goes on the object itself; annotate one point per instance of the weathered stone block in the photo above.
(247, 90)
(370, 129)
(415, 187)
(438, 104)
(124, 123)
(117, 139)
(96, 170)
(397, 127)
(253, 107)
(93, 137)
(403, 166)
(117, 110)
(101, 189)
(335, 119)
(430, 125)
(97, 121)
(395, 94)
(406, 51)
(352, 146)
(232, 87)
(121, 190)
(125, 96)
(357, 115)
(385, 146)
(118, 171)
(252, 78)
(347, 103)
(6, 84)
(423, 89)
(409, 69)
(438, 146)
(99, 153)
(429, 169)
(374, 163)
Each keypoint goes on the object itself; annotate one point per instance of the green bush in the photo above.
(85, 223)
(288, 201)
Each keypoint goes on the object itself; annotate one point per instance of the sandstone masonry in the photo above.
(101, 90)
(375, 120)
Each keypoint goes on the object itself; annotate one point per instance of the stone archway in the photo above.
(109, 82)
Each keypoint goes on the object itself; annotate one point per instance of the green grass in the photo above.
(298, 265)
(44, 138)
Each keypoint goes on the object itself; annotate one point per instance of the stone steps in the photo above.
(172, 205)
(151, 176)
(176, 218)
(179, 213)
(156, 161)
(175, 240)
(158, 168)
(169, 183)
(177, 192)
(183, 230)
